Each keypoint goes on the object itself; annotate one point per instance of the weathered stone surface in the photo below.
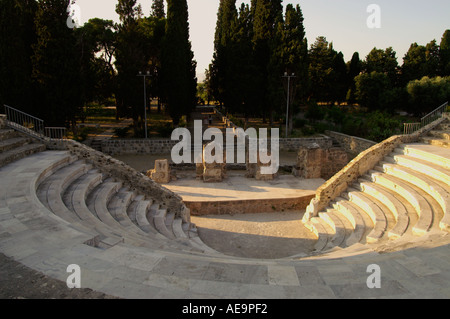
(161, 172)
(316, 162)
(351, 144)
(2, 121)
(130, 177)
(214, 172)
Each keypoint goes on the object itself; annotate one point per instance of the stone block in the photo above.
(161, 172)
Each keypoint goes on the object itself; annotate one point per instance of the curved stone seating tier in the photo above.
(406, 194)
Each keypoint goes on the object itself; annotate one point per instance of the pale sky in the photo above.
(342, 22)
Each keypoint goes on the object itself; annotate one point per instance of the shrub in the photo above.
(427, 94)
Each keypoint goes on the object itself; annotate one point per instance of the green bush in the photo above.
(315, 112)
(427, 94)
(382, 125)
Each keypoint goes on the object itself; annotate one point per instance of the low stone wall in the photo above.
(130, 177)
(359, 166)
(249, 206)
(164, 146)
(351, 144)
(141, 146)
(294, 144)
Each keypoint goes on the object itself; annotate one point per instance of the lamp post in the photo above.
(288, 97)
(144, 76)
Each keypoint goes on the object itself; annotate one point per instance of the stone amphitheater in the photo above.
(64, 204)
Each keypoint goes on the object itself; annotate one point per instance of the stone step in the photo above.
(436, 141)
(20, 152)
(395, 206)
(159, 220)
(141, 217)
(440, 134)
(13, 143)
(415, 198)
(366, 203)
(434, 154)
(51, 189)
(425, 167)
(340, 227)
(6, 134)
(118, 207)
(177, 227)
(444, 126)
(132, 208)
(93, 211)
(440, 191)
(361, 223)
(323, 232)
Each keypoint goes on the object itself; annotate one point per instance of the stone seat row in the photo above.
(83, 197)
(14, 146)
(407, 194)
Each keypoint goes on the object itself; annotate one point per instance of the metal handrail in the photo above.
(409, 128)
(32, 125)
(24, 122)
(57, 133)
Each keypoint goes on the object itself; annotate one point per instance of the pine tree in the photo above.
(177, 62)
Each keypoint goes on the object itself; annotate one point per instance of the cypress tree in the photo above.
(177, 62)
(241, 67)
(17, 34)
(354, 68)
(158, 9)
(223, 59)
(56, 67)
(444, 53)
(267, 15)
(128, 62)
(292, 57)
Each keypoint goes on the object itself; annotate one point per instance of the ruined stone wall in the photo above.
(352, 144)
(141, 146)
(316, 162)
(164, 146)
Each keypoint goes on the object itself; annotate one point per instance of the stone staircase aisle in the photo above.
(407, 195)
(15, 145)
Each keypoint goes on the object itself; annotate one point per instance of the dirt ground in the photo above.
(262, 235)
